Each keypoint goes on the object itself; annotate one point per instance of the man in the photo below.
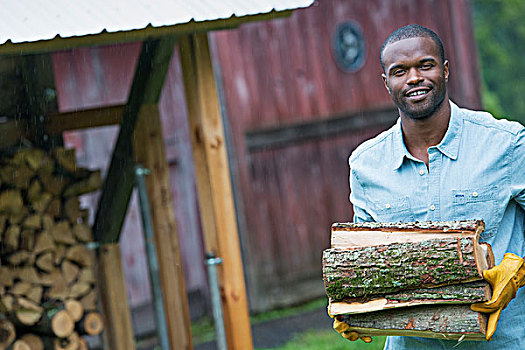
(442, 163)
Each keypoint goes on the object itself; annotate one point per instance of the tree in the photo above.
(500, 33)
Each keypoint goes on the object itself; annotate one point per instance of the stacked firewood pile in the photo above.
(415, 279)
(47, 271)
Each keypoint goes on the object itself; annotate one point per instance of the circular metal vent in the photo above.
(348, 46)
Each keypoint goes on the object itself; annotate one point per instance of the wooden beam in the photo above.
(147, 33)
(147, 85)
(112, 289)
(153, 157)
(57, 123)
(214, 184)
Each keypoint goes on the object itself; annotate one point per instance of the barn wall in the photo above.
(295, 117)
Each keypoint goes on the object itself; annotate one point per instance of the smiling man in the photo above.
(441, 162)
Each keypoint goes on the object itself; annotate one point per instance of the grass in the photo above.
(328, 340)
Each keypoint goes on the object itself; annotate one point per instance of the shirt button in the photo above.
(387, 205)
(421, 172)
(432, 207)
(474, 194)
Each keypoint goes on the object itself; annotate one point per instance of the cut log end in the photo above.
(62, 324)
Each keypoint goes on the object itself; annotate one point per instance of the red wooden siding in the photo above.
(281, 73)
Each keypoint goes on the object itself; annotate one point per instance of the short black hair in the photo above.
(412, 31)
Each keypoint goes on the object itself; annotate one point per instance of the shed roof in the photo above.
(31, 21)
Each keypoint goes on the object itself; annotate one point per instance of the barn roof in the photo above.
(37, 22)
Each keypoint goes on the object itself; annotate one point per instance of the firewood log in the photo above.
(33, 222)
(54, 208)
(11, 202)
(26, 312)
(81, 255)
(43, 243)
(58, 290)
(46, 261)
(91, 323)
(71, 342)
(54, 321)
(60, 253)
(20, 288)
(72, 209)
(41, 202)
(35, 293)
(20, 345)
(82, 233)
(75, 309)
(51, 278)
(79, 289)
(87, 274)
(20, 257)
(48, 222)
(34, 341)
(70, 271)
(6, 276)
(436, 321)
(34, 191)
(17, 218)
(92, 183)
(27, 239)
(16, 176)
(62, 233)
(28, 274)
(65, 158)
(7, 333)
(89, 301)
(51, 183)
(11, 240)
(7, 303)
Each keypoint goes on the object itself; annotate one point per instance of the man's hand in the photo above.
(505, 280)
(342, 328)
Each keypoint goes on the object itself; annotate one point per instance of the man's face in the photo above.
(415, 77)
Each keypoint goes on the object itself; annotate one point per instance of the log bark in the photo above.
(466, 293)
(440, 322)
(361, 272)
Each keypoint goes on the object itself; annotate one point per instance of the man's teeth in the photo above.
(417, 93)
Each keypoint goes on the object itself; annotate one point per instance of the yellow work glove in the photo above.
(342, 328)
(505, 280)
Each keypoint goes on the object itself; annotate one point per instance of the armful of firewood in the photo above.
(505, 279)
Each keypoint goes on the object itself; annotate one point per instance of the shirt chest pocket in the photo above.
(393, 210)
(477, 204)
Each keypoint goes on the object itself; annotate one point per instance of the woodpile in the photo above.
(415, 279)
(47, 272)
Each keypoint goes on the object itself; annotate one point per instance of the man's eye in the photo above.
(426, 66)
(398, 72)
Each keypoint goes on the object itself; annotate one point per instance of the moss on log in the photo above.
(365, 271)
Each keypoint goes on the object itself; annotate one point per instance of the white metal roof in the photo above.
(35, 20)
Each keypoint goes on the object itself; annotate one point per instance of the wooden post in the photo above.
(214, 186)
(119, 331)
(150, 152)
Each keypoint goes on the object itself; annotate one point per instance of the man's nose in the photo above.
(414, 76)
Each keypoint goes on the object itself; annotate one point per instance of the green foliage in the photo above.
(329, 340)
(500, 33)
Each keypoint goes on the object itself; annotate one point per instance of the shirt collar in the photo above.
(449, 146)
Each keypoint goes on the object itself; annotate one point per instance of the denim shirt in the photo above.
(476, 172)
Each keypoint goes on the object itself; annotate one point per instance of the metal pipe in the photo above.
(151, 252)
(216, 303)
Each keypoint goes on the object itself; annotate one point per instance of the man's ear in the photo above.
(445, 70)
(386, 83)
